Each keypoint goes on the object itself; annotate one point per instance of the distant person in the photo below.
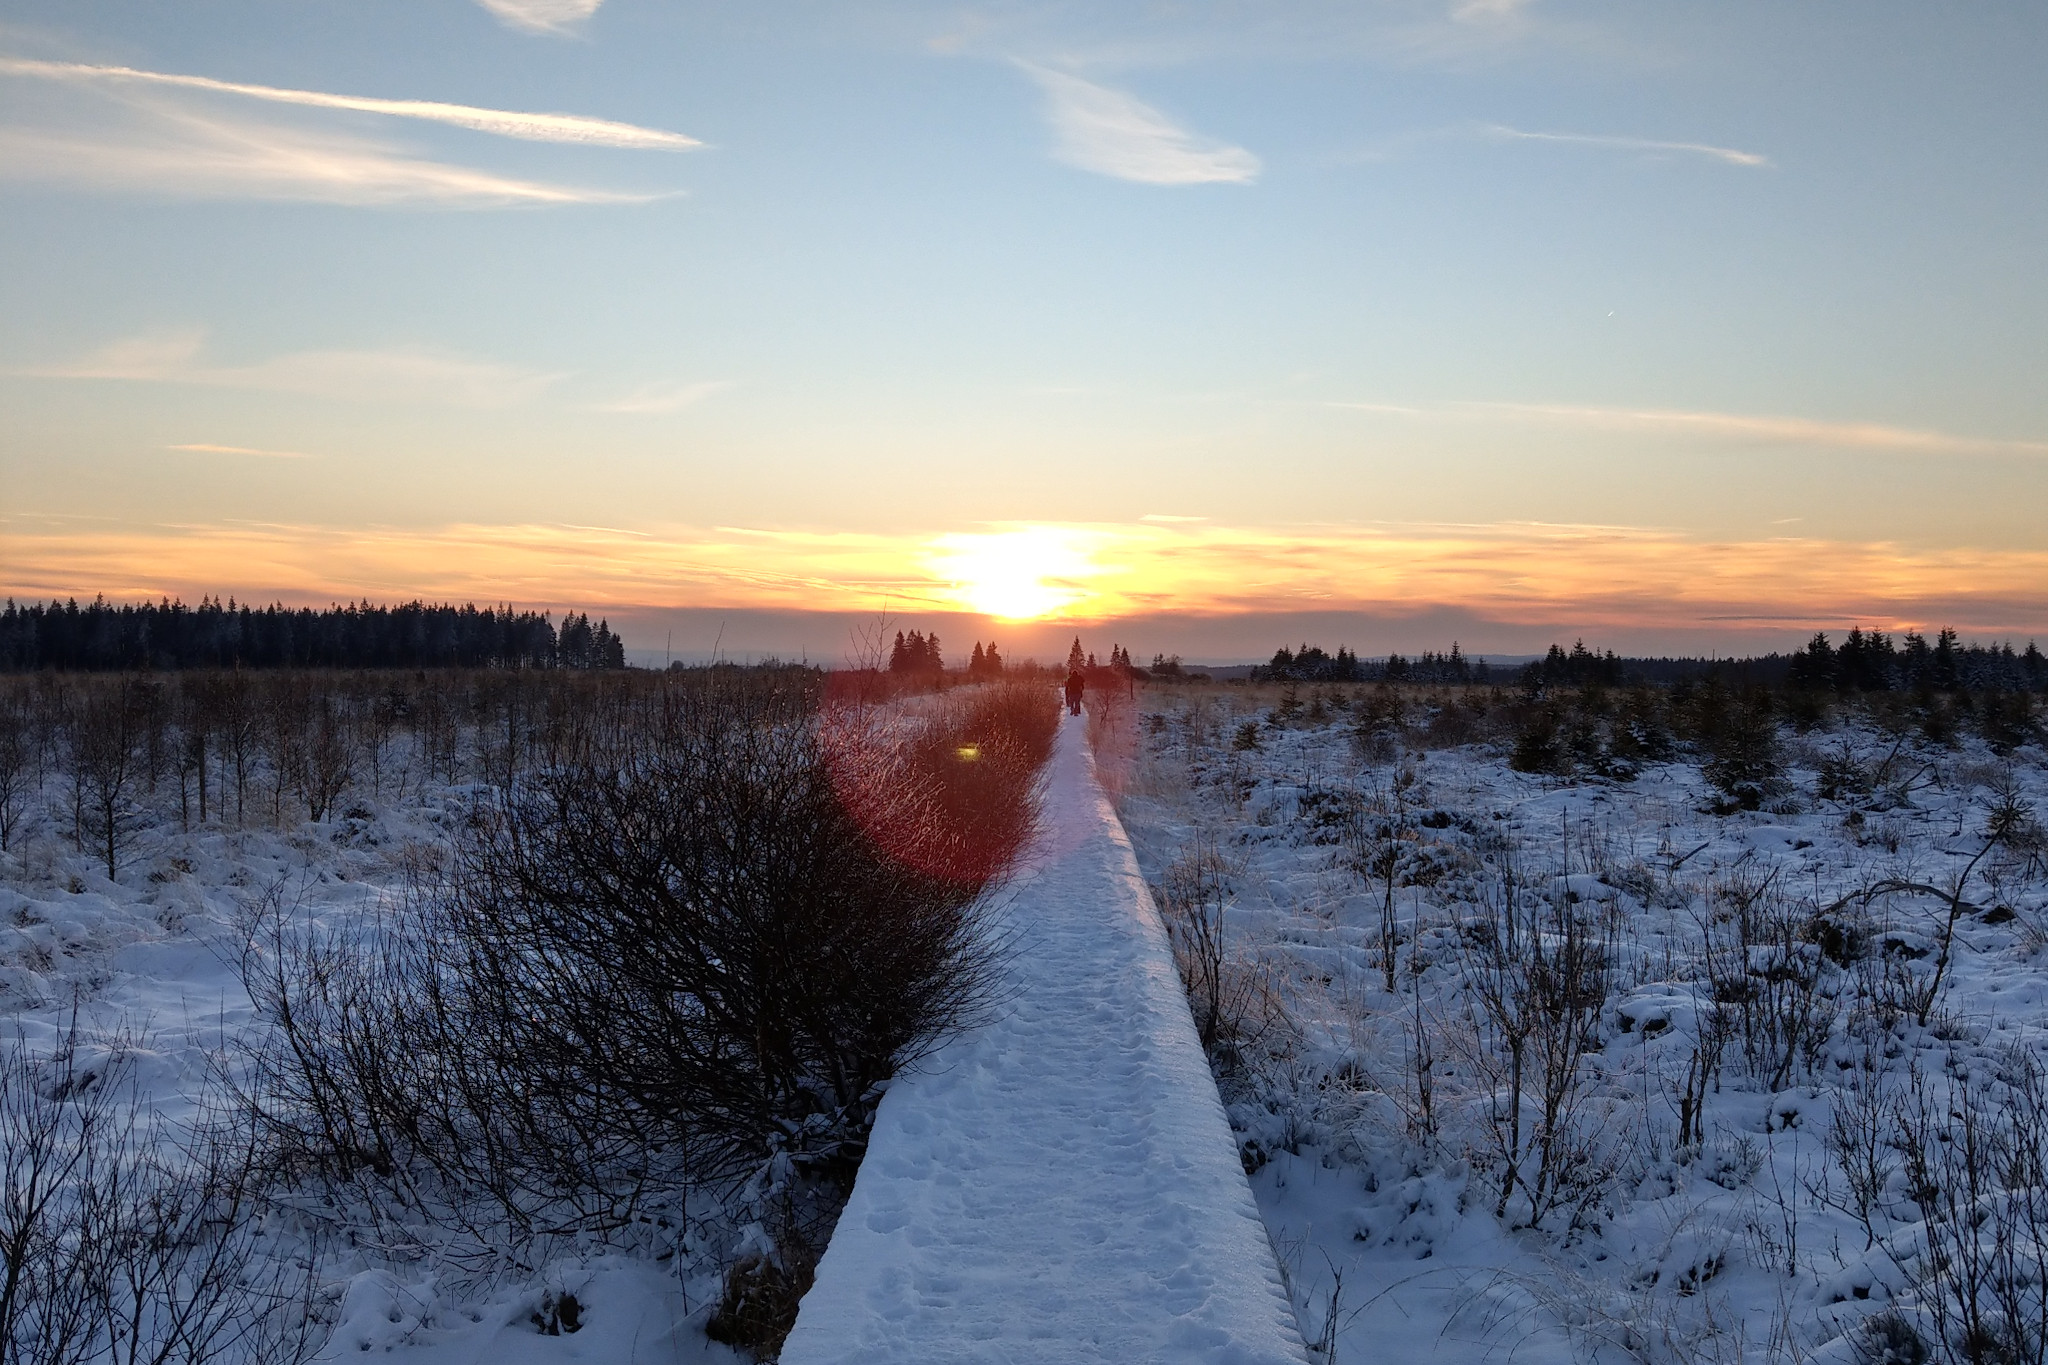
(1076, 685)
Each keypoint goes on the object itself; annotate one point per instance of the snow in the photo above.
(1065, 1184)
(1723, 1252)
(1060, 1184)
(631, 1313)
(149, 963)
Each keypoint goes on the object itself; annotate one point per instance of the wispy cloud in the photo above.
(1488, 11)
(555, 17)
(208, 448)
(1773, 430)
(529, 127)
(183, 155)
(1116, 134)
(1729, 155)
(121, 129)
(656, 399)
(1746, 427)
(415, 374)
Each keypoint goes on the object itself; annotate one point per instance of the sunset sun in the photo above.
(1019, 575)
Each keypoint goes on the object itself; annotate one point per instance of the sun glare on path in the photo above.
(1013, 575)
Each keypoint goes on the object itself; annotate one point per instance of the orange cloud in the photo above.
(1599, 576)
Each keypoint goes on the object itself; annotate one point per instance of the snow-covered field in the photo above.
(1753, 1060)
(145, 967)
(1778, 1070)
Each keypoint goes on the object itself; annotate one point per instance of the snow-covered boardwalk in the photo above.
(1060, 1185)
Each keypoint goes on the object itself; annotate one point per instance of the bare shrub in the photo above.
(1539, 972)
(1776, 983)
(240, 721)
(440, 738)
(1974, 1150)
(121, 1244)
(198, 719)
(1895, 989)
(1113, 737)
(107, 766)
(1702, 1074)
(1860, 1138)
(285, 709)
(687, 968)
(1374, 834)
(330, 760)
(1227, 996)
(16, 765)
(1890, 1338)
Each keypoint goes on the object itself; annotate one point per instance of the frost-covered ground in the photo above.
(146, 966)
(1750, 995)
(1744, 1040)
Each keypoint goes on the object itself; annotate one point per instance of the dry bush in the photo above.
(1771, 976)
(1113, 737)
(1861, 1140)
(301, 741)
(1538, 972)
(1974, 1152)
(1457, 718)
(1378, 720)
(685, 968)
(107, 757)
(16, 764)
(1375, 833)
(1230, 998)
(122, 1243)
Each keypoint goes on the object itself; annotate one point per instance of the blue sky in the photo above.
(1237, 304)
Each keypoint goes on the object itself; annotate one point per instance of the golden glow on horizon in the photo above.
(1594, 577)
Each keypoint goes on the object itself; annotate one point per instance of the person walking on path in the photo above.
(1076, 685)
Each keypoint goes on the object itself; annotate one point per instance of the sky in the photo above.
(1199, 327)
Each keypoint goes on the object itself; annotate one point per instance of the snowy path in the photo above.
(1060, 1185)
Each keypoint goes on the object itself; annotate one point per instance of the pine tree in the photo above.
(1945, 673)
(609, 649)
(1814, 666)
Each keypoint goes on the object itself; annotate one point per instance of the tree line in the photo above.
(103, 637)
(1870, 661)
(1865, 661)
(918, 654)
